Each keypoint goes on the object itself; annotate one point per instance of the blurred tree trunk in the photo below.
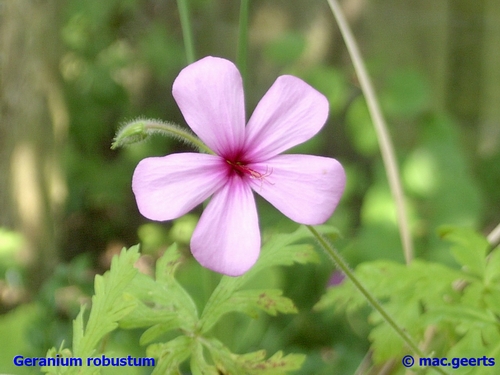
(489, 142)
(33, 123)
(465, 50)
(410, 34)
(455, 44)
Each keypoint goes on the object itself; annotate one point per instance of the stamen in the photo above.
(242, 169)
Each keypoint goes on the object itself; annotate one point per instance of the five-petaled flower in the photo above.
(305, 188)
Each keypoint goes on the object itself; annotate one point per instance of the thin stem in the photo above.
(342, 264)
(141, 129)
(386, 148)
(243, 40)
(187, 33)
(179, 133)
(494, 236)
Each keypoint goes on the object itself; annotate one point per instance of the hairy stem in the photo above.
(172, 130)
(141, 129)
(385, 144)
(342, 264)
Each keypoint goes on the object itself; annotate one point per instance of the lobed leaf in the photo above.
(170, 355)
(280, 250)
(492, 272)
(109, 303)
(253, 363)
(199, 366)
(162, 304)
(469, 248)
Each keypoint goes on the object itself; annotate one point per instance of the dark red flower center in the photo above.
(242, 169)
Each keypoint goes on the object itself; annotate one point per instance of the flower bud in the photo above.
(130, 133)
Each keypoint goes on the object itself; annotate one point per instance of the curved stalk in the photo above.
(384, 140)
(342, 265)
(139, 130)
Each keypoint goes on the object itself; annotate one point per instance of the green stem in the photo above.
(141, 129)
(187, 33)
(342, 264)
(385, 144)
(172, 130)
(243, 40)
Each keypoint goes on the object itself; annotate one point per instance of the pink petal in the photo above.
(305, 188)
(290, 113)
(167, 187)
(227, 238)
(209, 93)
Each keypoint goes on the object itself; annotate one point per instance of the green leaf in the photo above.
(78, 327)
(343, 297)
(376, 276)
(253, 363)
(469, 248)
(61, 370)
(470, 346)
(387, 343)
(199, 366)
(165, 276)
(109, 304)
(157, 330)
(492, 272)
(280, 250)
(270, 301)
(146, 316)
(462, 314)
(162, 304)
(492, 299)
(170, 355)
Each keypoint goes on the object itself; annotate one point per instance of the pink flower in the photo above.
(305, 188)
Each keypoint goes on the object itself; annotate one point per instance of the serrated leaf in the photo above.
(146, 316)
(199, 365)
(253, 363)
(249, 302)
(170, 355)
(416, 281)
(280, 250)
(377, 277)
(157, 330)
(78, 327)
(162, 304)
(471, 345)
(109, 304)
(168, 264)
(492, 273)
(469, 248)
(386, 342)
(165, 276)
(492, 299)
(462, 314)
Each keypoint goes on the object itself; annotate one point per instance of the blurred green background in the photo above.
(72, 71)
